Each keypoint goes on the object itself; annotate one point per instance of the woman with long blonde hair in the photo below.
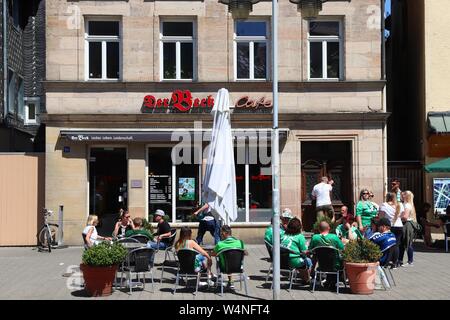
(410, 227)
(90, 234)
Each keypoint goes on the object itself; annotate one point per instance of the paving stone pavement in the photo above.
(26, 273)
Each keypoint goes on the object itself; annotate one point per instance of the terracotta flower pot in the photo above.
(361, 277)
(98, 281)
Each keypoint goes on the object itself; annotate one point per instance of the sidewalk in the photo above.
(26, 273)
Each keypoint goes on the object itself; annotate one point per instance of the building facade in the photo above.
(126, 81)
(22, 69)
(419, 98)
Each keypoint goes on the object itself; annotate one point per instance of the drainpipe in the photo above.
(384, 93)
(5, 65)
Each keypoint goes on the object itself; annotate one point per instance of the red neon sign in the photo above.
(181, 100)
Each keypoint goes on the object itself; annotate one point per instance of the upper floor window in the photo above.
(32, 109)
(251, 53)
(11, 92)
(325, 50)
(177, 50)
(102, 50)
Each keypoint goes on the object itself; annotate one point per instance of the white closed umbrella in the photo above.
(219, 184)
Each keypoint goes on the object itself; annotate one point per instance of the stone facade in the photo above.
(348, 110)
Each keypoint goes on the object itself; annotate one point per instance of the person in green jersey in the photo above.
(296, 243)
(365, 210)
(286, 216)
(327, 239)
(227, 242)
(346, 231)
(138, 224)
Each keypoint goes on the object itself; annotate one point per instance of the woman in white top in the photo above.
(409, 229)
(90, 234)
(392, 210)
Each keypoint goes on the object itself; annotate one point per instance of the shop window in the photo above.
(325, 50)
(102, 50)
(177, 50)
(251, 53)
(173, 187)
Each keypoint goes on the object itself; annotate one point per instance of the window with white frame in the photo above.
(20, 100)
(102, 49)
(325, 50)
(177, 50)
(32, 107)
(251, 50)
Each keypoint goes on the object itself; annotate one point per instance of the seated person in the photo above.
(227, 242)
(203, 261)
(327, 239)
(372, 228)
(90, 234)
(139, 229)
(346, 231)
(163, 232)
(286, 216)
(123, 225)
(426, 224)
(384, 238)
(296, 242)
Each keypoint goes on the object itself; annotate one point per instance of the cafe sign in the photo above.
(183, 101)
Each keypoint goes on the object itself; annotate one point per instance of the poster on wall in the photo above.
(441, 194)
(186, 188)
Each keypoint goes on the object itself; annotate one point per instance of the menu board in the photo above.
(160, 188)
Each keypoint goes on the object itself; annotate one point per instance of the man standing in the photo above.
(321, 193)
(207, 223)
(395, 188)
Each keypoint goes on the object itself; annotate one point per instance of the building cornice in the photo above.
(241, 120)
(250, 86)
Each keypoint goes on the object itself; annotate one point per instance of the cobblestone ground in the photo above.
(26, 273)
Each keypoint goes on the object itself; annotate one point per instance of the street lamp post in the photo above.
(240, 9)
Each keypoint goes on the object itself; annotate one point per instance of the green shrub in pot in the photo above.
(361, 251)
(104, 254)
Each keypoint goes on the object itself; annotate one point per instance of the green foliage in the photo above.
(166, 218)
(147, 226)
(361, 251)
(319, 220)
(104, 254)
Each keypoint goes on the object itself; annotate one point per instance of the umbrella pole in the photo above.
(275, 157)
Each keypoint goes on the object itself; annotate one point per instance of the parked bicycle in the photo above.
(48, 232)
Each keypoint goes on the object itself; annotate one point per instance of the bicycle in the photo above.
(48, 232)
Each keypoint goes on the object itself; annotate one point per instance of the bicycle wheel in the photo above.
(43, 237)
(47, 237)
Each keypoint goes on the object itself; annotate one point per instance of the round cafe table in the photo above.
(133, 245)
(208, 248)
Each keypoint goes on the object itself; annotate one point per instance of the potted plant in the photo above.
(99, 266)
(361, 262)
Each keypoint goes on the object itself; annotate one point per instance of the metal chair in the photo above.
(284, 265)
(142, 238)
(269, 250)
(186, 267)
(86, 246)
(232, 264)
(326, 258)
(169, 249)
(138, 261)
(388, 265)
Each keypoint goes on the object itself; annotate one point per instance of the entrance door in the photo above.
(331, 159)
(107, 186)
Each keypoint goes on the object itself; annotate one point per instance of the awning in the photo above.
(439, 166)
(439, 122)
(161, 135)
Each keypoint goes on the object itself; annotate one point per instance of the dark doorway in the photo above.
(107, 186)
(332, 159)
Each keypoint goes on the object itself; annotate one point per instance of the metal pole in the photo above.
(5, 61)
(275, 157)
(60, 226)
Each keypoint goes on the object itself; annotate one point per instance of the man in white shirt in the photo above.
(321, 193)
